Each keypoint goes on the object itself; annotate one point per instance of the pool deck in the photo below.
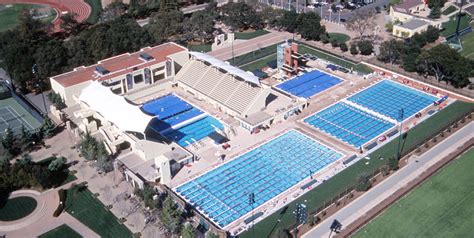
(243, 141)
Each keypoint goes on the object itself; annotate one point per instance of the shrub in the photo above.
(343, 47)
(363, 183)
(393, 163)
(324, 38)
(365, 47)
(354, 49)
(334, 42)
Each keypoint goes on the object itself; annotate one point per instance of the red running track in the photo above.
(79, 7)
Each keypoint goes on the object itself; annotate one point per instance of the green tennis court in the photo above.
(13, 115)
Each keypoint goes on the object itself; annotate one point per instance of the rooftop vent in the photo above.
(146, 57)
(102, 70)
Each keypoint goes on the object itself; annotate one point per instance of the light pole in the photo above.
(300, 216)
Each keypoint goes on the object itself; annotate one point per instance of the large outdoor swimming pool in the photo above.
(309, 84)
(266, 171)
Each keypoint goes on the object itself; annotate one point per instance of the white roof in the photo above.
(114, 108)
(227, 67)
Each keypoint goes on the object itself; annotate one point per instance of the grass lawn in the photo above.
(323, 193)
(91, 212)
(450, 26)
(61, 231)
(263, 62)
(449, 10)
(17, 208)
(334, 59)
(339, 37)
(96, 6)
(468, 45)
(441, 207)
(9, 15)
(250, 34)
(200, 48)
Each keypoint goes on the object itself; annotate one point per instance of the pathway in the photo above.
(415, 167)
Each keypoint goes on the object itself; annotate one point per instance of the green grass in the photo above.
(61, 231)
(96, 6)
(335, 59)
(341, 38)
(449, 10)
(91, 212)
(339, 183)
(9, 17)
(441, 207)
(450, 26)
(250, 35)
(259, 64)
(200, 48)
(468, 45)
(17, 208)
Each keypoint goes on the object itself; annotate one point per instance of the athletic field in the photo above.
(9, 14)
(441, 207)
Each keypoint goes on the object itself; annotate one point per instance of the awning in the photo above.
(114, 108)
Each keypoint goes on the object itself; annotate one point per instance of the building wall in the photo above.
(400, 31)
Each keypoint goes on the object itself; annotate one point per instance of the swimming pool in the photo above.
(268, 170)
(388, 97)
(194, 131)
(349, 124)
(309, 84)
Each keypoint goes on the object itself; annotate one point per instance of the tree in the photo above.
(271, 17)
(165, 25)
(354, 49)
(432, 34)
(171, 216)
(26, 139)
(281, 233)
(289, 21)
(363, 183)
(435, 12)
(188, 231)
(393, 163)
(361, 21)
(57, 164)
(334, 42)
(51, 59)
(48, 128)
(69, 24)
(241, 16)
(116, 9)
(389, 27)
(324, 38)
(343, 47)
(210, 234)
(57, 100)
(309, 26)
(391, 51)
(9, 141)
(365, 47)
(201, 25)
(92, 149)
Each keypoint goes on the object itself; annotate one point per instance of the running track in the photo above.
(79, 7)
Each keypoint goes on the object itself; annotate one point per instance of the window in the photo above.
(138, 78)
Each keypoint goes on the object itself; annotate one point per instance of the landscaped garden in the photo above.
(60, 232)
(250, 34)
(450, 26)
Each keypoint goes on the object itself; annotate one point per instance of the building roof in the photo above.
(414, 24)
(406, 5)
(114, 108)
(118, 65)
(226, 67)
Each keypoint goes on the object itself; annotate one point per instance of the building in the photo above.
(124, 74)
(288, 59)
(410, 17)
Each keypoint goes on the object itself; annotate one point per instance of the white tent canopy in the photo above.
(114, 108)
(227, 67)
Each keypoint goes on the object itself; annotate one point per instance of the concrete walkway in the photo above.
(415, 167)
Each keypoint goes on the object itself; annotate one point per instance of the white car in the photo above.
(323, 3)
(310, 6)
(339, 6)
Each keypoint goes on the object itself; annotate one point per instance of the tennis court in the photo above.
(13, 115)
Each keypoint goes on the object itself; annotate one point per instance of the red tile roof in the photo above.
(118, 65)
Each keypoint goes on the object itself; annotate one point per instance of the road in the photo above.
(416, 166)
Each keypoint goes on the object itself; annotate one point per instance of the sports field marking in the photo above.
(18, 117)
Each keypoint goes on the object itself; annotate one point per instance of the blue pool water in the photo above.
(170, 110)
(348, 124)
(309, 84)
(266, 171)
(194, 131)
(388, 97)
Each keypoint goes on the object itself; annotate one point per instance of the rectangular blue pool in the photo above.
(180, 121)
(388, 97)
(348, 124)
(309, 84)
(268, 170)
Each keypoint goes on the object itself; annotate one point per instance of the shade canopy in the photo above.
(114, 108)
(226, 67)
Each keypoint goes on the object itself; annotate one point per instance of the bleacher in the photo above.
(220, 86)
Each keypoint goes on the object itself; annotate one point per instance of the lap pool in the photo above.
(268, 170)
